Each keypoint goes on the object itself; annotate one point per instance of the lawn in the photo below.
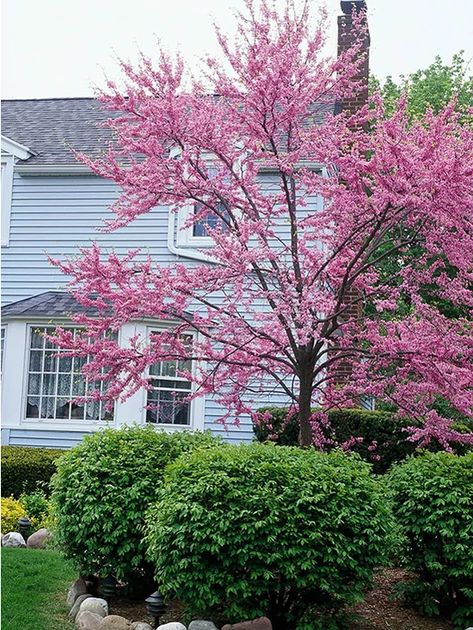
(34, 587)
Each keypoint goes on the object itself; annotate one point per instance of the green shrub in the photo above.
(102, 489)
(383, 435)
(243, 531)
(37, 508)
(25, 469)
(433, 499)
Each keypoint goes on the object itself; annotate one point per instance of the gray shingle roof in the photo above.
(48, 304)
(53, 127)
(50, 127)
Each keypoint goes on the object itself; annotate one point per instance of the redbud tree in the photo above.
(290, 291)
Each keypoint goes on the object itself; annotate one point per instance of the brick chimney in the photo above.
(346, 38)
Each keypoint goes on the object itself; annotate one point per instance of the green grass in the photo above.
(34, 587)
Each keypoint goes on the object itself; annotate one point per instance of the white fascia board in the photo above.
(16, 149)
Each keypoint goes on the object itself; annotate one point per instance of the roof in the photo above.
(52, 127)
(48, 304)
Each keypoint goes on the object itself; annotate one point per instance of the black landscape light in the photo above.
(156, 606)
(109, 587)
(24, 525)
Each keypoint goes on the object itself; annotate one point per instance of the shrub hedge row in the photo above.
(24, 469)
(240, 531)
(383, 434)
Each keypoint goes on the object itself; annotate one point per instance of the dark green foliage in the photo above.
(259, 529)
(26, 469)
(433, 502)
(384, 433)
(102, 489)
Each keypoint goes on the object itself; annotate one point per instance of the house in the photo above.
(52, 205)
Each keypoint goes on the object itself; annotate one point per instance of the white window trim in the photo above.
(197, 405)
(47, 423)
(7, 189)
(4, 328)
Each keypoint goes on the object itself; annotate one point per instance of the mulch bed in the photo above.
(379, 611)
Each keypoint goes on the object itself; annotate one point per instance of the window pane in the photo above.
(49, 344)
(172, 385)
(65, 364)
(155, 369)
(32, 407)
(62, 408)
(37, 338)
(34, 383)
(49, 384)
(168, 368)
(48, 406)
(92, 410)
(36, 359)
(77, 411)
(64, 385)
(50, 361)
(78, 385)
(78, 363)
(166, 413)
(209, 220)
(182, 413)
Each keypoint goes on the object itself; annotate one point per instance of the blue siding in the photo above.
(56, 215)
(45, 439)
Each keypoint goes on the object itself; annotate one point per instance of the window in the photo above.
(166, 399)
(209, 220)
(55, 379)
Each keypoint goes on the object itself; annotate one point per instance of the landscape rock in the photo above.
(13, 539)
(87, 620)
(95, 605)
(263, 623)
(174, 625)
(77, 588)
(114, 622)
(75, 608)
(201, 624)
(39, 539)
(140, 625)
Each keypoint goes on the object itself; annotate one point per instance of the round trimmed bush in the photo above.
(27, 469)
(244, 531)
(101, 491)
(433, 502)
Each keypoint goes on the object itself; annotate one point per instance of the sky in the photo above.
(63, 48)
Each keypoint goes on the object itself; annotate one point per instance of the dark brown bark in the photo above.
(305, 410)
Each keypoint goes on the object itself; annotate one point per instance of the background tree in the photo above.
(431, 88)
(278, 304)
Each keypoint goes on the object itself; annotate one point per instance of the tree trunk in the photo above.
(305, 412)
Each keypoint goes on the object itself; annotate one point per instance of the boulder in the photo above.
(39, 539)
(140, 625)
(95, 605)
(87, 620)
(13, 539)
(263, 623)
(174, 625)
(200, 624)
(77, 588)
(114, 622)
(76, 606)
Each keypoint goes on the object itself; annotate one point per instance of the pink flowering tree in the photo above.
(293, 288)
